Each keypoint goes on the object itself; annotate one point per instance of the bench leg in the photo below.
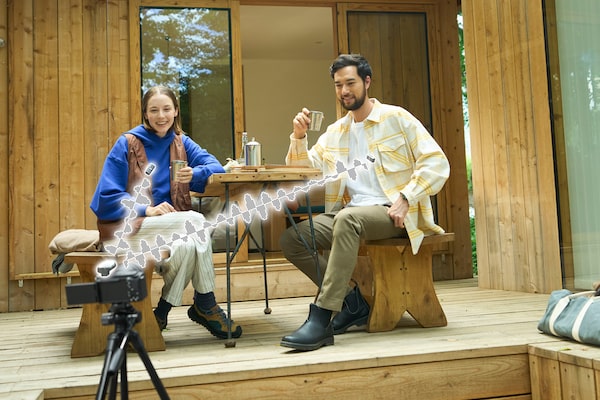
(402, 282)
(422, 301)
(389, 300)
(91, 336)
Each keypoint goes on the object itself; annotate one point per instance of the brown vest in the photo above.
(138, 162)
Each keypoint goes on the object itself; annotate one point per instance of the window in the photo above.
(189, 49)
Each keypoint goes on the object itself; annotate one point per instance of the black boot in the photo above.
(314, 333)
(355, 311)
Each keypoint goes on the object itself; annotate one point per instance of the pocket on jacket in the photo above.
(394, 155)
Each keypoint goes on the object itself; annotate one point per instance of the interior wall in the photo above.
(286, 54)
(275, 90)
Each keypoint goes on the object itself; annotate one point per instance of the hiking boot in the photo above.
(215, 320)
(162, 323)
(315, 333)
(355, 311)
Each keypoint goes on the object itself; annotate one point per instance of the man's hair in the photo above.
(159, 89)
(346, 60)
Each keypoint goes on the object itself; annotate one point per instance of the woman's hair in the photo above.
(153, 91)
(346, 60)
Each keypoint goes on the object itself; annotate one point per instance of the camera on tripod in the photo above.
(115, 283)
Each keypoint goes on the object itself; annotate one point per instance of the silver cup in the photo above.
(316, 117)
(176, 165)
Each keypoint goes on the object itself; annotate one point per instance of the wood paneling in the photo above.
(4, 154)
(60, 127)
(20, 142)
(45, 153)
(513, 175)
(564, 370)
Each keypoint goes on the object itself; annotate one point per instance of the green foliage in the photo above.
(463, 69)
(473, 245)
(472, 217)
(469, 175)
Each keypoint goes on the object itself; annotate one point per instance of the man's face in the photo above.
(351, 91)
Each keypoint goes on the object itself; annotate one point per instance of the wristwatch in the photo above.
(404, 197)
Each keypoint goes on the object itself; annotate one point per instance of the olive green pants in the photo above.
(340, 233)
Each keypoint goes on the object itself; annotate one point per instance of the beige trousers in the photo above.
(190, 258)
(341, 233)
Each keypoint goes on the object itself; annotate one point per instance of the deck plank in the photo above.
(497, 325)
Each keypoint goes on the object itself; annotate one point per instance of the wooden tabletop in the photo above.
(267, 173)
(262, 174)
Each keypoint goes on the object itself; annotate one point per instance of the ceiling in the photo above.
(285, 32)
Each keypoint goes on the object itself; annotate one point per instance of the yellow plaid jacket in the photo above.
(407, 160)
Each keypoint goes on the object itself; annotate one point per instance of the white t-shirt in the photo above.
(365, 190)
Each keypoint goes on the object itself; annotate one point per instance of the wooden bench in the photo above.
(394, 281)
(91, 336)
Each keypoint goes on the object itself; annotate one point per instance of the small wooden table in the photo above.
(258, 190)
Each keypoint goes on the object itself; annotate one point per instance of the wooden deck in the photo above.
(482, 353)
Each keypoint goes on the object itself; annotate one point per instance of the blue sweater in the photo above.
(111, 188)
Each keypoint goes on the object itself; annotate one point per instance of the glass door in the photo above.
(574, 60)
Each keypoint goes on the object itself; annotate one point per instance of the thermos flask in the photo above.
(253, 153)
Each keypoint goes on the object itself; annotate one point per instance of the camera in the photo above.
(115, 283)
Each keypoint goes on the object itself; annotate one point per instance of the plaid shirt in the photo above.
(407, 160)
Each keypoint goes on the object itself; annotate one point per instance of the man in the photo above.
(390, 198)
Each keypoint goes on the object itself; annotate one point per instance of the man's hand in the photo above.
(162, 208)
(398, 211)
(301, 122)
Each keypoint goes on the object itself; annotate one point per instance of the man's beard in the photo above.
(356, 105)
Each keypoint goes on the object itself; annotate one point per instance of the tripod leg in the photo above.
(107, 378)
(124, 384)
(138, 345)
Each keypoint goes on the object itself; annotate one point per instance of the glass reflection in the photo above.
(189, 50)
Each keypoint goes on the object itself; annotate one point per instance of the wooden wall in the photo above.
(4, 240)
(68, 78)
(69, 98)
(513, 172)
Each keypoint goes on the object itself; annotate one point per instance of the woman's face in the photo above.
(161, 113)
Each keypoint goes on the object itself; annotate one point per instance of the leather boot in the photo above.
(355, 311)
(314, 333)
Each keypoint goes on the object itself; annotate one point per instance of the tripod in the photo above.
(124, 316)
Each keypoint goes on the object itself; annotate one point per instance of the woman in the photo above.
(144, 154)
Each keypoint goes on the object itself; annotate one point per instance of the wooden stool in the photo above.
(91, 336)
(394, 281)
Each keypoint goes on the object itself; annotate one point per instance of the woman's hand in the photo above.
(162, 208)
(292, 205)
(184, 175)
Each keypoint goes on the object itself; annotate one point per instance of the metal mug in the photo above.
(316, 117)
(176, 165)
